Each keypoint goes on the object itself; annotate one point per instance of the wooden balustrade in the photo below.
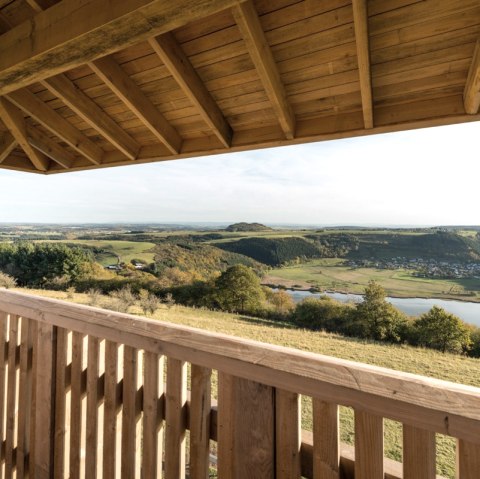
(91, 393)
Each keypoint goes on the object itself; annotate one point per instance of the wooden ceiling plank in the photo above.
(180, 67)
(360, 17)
(471, 94)
(40, 5)
(49, 147)
(92, 114)
(72, 33)
(247, 20)
(7, 144)
(15, 122)
(55, 123)
(130, 93)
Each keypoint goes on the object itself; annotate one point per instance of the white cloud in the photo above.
(418, 177)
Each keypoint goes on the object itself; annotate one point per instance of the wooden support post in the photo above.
(246, 432)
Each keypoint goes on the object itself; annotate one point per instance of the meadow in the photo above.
(448, 367)
(330, 274)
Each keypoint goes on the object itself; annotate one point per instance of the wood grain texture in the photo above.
(3, 370)
(326, 441)
(419, 457)
(471, 93)
(110, 410)
(76, 405)
(468, 460)
(175, 419)
(287, 434)
(368, 446)
(200, 410)
(7, 145)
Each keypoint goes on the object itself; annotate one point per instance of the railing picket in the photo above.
(151, 432)
(468, 460)
(326, 451)
(200, 408)
(418, 453)
(3, 370)
(130, 358)
(92, 408)
(11, 393)
(368, 446)
(287, 434)
(76, 405)
(110, 410)
(24, 394)
(175, 423)
(225, 426)
(60, 404)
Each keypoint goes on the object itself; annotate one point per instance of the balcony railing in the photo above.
(90, 393)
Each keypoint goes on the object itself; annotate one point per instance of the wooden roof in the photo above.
(94, 83)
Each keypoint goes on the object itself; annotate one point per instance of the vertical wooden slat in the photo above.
(326, 452)
(368, 446)
(11, 393)
(76, 405)
(24, 394)
(60, 404)
(150, 427)
(3, 366)
(110, 410)
(33, 405)
(175, 426)
(128, 412)
(225, 426)
(468, 460)
(92, 408)
(200, 407)
(44, 370)
(287, 434)
(418, 453)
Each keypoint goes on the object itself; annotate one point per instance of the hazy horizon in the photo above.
(425, 178)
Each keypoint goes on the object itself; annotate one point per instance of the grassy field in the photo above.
(329, 274)
(124, 250)
(404, 358)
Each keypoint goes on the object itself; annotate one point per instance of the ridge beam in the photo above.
(252, 32)
(360, 21)
(180, 67)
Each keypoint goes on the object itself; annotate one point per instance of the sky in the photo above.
(422, 177)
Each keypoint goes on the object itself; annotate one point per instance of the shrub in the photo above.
(7, 281)
(94, 296)
(148, 302)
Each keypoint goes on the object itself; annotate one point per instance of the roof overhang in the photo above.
(97, 83)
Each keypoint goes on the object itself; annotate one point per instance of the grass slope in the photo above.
(403, 358)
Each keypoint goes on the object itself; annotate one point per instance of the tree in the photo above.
(238, 289)
(438, 329)
(376, 318)
(7, 281)
(281, 301)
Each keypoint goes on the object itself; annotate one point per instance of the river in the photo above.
(469, 312)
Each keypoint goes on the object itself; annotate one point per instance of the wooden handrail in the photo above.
(431, 404)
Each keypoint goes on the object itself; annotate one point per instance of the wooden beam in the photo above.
(49, 147)
(7, 145)
(90, 112)
(178, 64)
(471, 94)
(249, 24)
(60, 127)
(15, 122)
(72, 33)
(130, 93)
(360, 18)
(40, 5)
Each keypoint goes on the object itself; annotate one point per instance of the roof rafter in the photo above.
(49, 147)
(60, 127)
(130, 93)
(15, 122)
(471, 94)
(7, 145)
(179, 66)
(91, 113)
(252, 32)
(360, 20)
(70, 34)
